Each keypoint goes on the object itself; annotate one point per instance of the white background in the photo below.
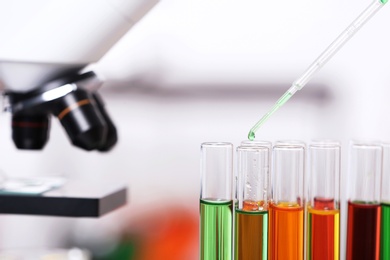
(195, 71)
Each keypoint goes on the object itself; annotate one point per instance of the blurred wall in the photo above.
(195, 71)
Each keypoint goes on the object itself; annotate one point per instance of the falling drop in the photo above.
(251, 135)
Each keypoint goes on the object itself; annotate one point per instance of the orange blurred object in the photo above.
(165, 233)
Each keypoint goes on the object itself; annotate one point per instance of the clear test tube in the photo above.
(251, 214)
(216, 201)
(385, 204)
(286, 208)
(323, 206)
(364, 211)
(261, 143)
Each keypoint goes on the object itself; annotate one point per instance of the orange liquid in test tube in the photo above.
(285, 232)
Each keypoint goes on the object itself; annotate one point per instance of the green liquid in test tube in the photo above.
(216, 225)
(332, 49)
(385, 232)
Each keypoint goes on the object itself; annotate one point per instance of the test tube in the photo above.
(323, 207)
(385, 204)
(257, 143)
(216, 201)
(262, 143)
(364, 211)
(286, 207)
(251, 214)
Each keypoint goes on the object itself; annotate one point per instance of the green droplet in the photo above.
(251, 135)
(384, 1)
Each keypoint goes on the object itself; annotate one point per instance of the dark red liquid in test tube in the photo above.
(363, 231)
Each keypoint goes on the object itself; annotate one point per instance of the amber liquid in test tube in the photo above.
(286, 208)
(216, 216)
(364, 209)
(323, 206)
(251, 217)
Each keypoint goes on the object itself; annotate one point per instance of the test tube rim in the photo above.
(385, 143)
(325, 146)
(216, 144)
(363, 147)
(325, 142)
(290, 142)
(367, 146)
(289, 147)
(256, 143)
(242, 148)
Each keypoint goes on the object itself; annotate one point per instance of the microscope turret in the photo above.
(43, 53)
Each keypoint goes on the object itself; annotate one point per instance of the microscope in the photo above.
(45, 49)
(43, 56)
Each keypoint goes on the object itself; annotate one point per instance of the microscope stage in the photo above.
(73, 199)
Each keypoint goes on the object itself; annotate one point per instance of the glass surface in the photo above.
(324, 173)
(253, 176)
(364, 211)
(251, 223)
(365, 172)
(323, 214)
(288, 173)
(216, 218)
(385, 197)
(216, 171)
(286, 209)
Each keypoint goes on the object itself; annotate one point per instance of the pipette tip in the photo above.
(251, 135)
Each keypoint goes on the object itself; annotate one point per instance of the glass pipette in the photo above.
(321, 61)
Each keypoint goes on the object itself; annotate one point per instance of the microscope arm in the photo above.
(59, 37)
